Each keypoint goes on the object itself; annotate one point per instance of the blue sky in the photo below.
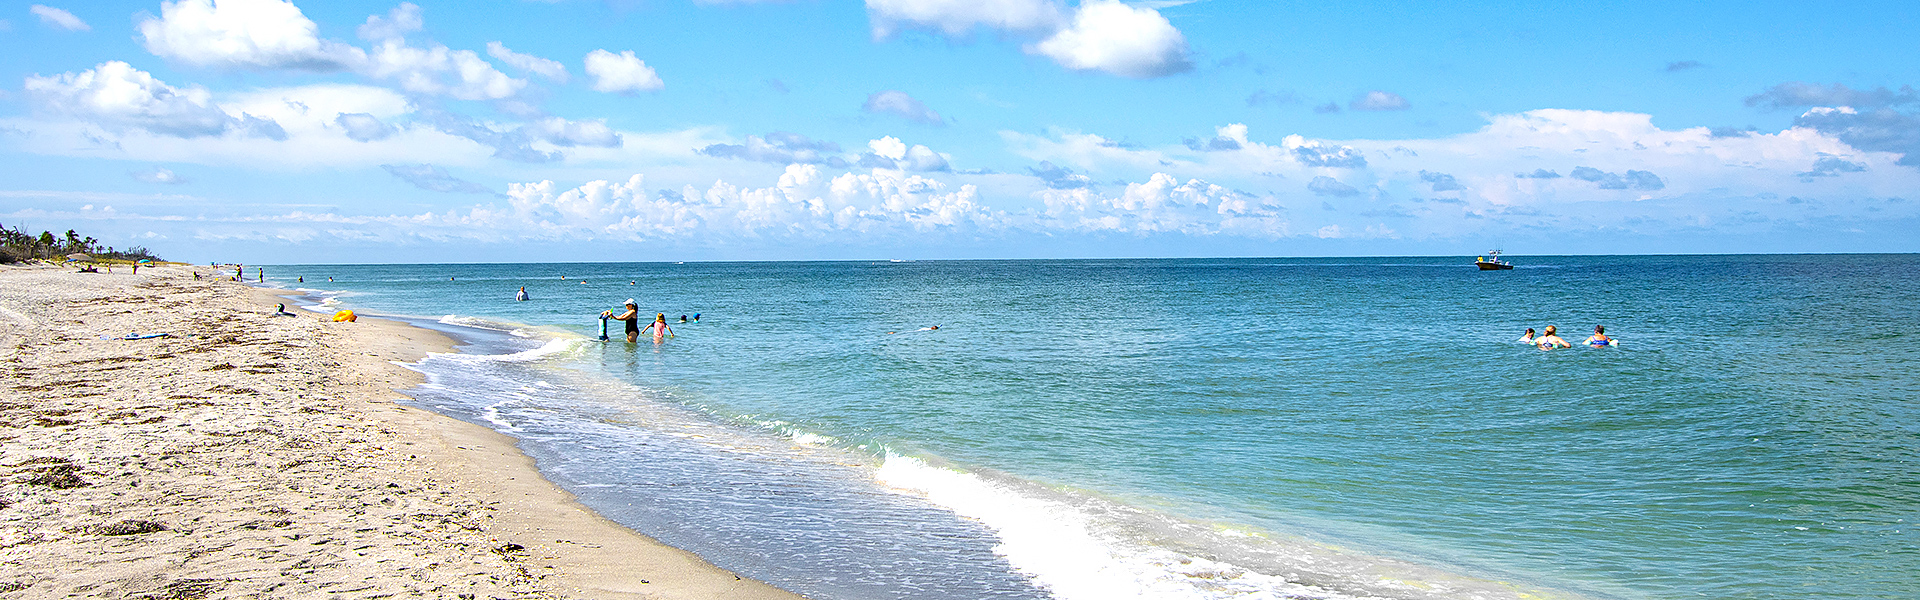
(268, 131)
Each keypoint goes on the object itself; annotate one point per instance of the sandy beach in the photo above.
(247, 455)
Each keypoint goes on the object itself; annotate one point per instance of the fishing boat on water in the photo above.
(1492, 262)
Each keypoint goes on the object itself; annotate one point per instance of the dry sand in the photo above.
(253, 456)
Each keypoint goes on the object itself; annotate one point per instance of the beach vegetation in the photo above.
(17, 244)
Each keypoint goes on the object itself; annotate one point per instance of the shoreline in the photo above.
(289, 417)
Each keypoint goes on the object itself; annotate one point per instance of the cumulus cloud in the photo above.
(1315, 154)
(57, 18)
(1829, 165)
(252, 126)
(1638, 180)
(528, 63)
(898, 103)
(1110, 36)
(891, 153)
(1797, 95)
(1328, 186)
(958, 18)
(780, 147)
(440, 71)
(432, 178)
(621, 73)
(1379, 101)
(1441, 182)
(1538, 174)
(268, 34)
(400, 21)
(158, 175)
(1227, 138)
(1059, 178)
(363, 127)
(119, 97)
(1881, 129)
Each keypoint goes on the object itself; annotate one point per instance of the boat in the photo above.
(1492, 262)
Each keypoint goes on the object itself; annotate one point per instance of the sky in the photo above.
(267, 131)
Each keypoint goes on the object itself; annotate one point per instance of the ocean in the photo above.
(1212, 428)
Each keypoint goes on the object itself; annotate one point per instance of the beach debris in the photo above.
(509, 548)
(13, 586)
(129, 527)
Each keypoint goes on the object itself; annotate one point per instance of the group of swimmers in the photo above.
(661, 331)
(1551, 339)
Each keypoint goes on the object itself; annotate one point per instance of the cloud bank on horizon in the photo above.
(1040, 128)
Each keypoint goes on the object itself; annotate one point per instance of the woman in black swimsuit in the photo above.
(632, 317)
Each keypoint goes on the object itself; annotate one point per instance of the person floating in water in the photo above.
(1599, 337)
(932, 328)
(683, 318)
(696, 317)
(1549, 340)
(632, 317)
(522, 295)
(1528, 337)
(660, 328)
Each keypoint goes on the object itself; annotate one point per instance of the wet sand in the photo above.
(249, 455)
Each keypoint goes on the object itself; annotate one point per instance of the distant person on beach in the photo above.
(522, 295)
(1599, 337)
(632, 317)
(660, 328)
(280, 310)
(1528, 337)
(1549, 340)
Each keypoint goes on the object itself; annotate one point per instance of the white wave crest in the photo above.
(552, 347)
(1064, 551)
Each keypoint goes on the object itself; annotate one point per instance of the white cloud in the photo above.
(55, 17)
(1130, 41)
(1377, 101)
(958, 18)
(899, 103)
(889, 147)
(550, 69)
(117, 96)
(243, 33)
(363, 127)
(400, 21)
(621, 73)
(440, 71)
(158, 175)
(561, 132)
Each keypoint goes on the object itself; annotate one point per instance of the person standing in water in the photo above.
(522, 295)
(660, 328)
(1549, 340)
(632, 317)
(1528, 337)
(1599, 337)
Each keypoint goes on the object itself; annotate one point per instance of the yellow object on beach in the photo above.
(345, 315)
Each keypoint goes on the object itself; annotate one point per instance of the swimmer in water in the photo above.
(632, 317)
(522, 295)
(683, 318)
(660, 328)
(1549, 340)
(1599, 337)
(1528, 338)
(696, 317)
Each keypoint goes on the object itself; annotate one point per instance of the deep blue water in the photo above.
(1217, 428)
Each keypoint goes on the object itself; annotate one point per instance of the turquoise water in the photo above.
(1218, 428)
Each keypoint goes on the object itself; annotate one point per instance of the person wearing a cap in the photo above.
(632, 317)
